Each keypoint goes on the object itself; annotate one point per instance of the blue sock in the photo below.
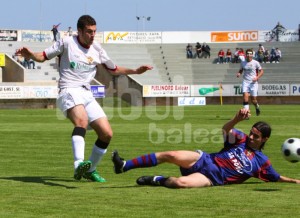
(148, 160)
(160, 180)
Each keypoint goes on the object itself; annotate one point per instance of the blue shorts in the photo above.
(206, 167)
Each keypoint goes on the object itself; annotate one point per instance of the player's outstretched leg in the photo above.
(121, 166)
(119, 162)
(82, 168)
(151, 180)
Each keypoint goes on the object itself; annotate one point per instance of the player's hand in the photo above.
(143, 69)
(243, 114)
(238, 74)
(255, 79)
(25, 52)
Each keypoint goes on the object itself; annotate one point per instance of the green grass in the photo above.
(36, 165)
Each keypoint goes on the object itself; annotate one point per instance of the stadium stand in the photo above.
(205, 71)
(45, 73)
(171, 65)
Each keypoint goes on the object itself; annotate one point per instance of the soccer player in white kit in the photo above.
(252, 72)
(79, 56)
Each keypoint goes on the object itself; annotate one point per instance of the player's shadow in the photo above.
(45, 180)
(122, 186)
(266, 189)
(262, 189)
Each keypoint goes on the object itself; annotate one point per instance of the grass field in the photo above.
(36, 166)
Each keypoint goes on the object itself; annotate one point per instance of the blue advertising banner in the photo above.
(98, 91)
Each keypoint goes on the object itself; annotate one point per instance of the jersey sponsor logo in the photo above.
(240, 161)
(80, 66)
(72, 65)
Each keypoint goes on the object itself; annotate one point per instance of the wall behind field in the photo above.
(123, 37)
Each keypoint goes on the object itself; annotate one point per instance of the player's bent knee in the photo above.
(107, 136)
(196, 180)
(167, 156)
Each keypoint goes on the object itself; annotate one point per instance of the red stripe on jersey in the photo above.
(263, 171)
(109, 68)
(45, 56)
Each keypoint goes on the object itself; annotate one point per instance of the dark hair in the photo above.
(85, 20)
(265, 130)
(249, 50)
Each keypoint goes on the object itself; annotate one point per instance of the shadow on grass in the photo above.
(50, 181)
(257, 189)
(267, 189)
(123, 186)
(218, 118)
(263, 189)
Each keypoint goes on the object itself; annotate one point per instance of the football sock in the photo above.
(78, 145)
(246, 105)
(96, 156)
(160, 180)
(148, 160)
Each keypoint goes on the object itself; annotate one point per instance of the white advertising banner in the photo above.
(273, 89)
(295, 89)
(132, 37)
(210, 90)
(166, 37)
(37, 36)
(40, 92)
(186, 37)
(236, 90)
(11, 92)
(284, 36)
(28, 92)
(191, 101)
(166, 90)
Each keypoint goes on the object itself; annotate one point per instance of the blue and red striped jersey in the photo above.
(238, 162)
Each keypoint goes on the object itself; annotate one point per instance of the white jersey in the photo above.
(250, 70)
(77, 64)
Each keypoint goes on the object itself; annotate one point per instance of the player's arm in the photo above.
(242, 114)
(239, 73)
(28, 54)
(289, 180)
(260, 73)
(126, 71)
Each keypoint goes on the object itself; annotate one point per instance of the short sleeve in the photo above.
(55, 50)
(104, 59)
(267, 173)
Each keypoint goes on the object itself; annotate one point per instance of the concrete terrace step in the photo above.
(171, 59)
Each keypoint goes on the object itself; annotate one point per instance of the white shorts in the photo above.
(250, 87)
(70, 97)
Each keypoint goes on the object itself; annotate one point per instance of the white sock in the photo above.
(246, 106)
(96, 157)
(78, 145)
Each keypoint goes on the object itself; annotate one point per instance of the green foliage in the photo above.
(36, 165)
